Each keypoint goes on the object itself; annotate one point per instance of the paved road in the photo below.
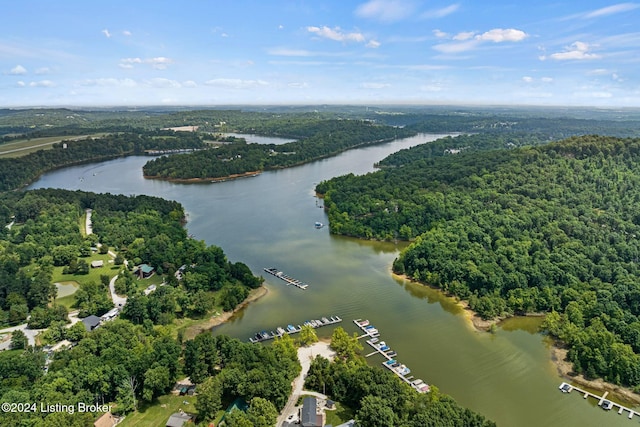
(30, 333)
(305, 356)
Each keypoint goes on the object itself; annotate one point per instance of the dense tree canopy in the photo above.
(550, 228)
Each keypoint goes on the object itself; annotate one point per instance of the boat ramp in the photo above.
(603, 402)
(288, 279)
(380, 347)
(292, 329)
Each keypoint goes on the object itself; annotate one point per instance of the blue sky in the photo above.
(206, 52)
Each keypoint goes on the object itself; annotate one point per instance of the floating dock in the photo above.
(380, 347)
(291, 329)
(288, 279)
(603, 402)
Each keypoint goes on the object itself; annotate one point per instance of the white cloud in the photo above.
(465, 35)
(431, 88)
(109, 82)
(547, 79)
(43, 70)
(499, 35)
(440, 34)
(189, 83)
(386, 10)
(610, 10)
(298, 85)
(336, 34)
(577, 51)
(21, 83)
(18, 70)
(469, 40)
(456, 47)
(236, 83)
(163, 83)
(281, 51)
(281, 27)
(126, 33)
(373, 44)
(160, 62)
(440, 13)
(106, 33)
(42, 83)
(527, 79)
(374, 85)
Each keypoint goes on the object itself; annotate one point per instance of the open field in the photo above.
(158, 412)
(22, 147)
(94, 273)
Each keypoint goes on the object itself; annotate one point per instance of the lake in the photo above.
(268, 221)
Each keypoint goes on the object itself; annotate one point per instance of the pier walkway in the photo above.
(603, 402)
(288, 279)
(380, 347)
(291, 329)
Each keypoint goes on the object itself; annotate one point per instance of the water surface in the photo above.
(268, 221)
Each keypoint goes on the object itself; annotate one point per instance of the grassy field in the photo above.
(22, 147)
(94, 273)
(340, 415)
(157, 413)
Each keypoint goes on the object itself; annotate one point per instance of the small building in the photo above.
(106, 420)
(144, 271)
(91, 322)
(97, 263)
(309, 415)
(178, 419)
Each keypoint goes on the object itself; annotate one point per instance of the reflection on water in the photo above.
(268, 221)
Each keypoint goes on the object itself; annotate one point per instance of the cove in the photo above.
(268, 221)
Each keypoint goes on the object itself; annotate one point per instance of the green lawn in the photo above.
(157, 413)
(340, 415)
(94, 273)
(22, 147)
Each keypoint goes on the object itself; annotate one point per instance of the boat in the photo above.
(362, 323)
(325, 320)
(281, 331)
(373, 340)
(318, 224)
(392, 354)
(390, 362)
(384, 348)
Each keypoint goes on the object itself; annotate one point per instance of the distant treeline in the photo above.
(16, 172)
(327, 138)
(552, 228)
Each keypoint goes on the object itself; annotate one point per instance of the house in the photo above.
(106, 420)
(309, 416)
(91, 322)
(178, 419)
(144, 271)
(97, 263)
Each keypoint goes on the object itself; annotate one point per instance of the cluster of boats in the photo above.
(401, 370)
(291, 329)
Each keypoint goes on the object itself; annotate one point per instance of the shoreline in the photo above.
(557, 352)
(200, 180)
(191, 331)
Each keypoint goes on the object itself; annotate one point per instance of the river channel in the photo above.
(268, 221)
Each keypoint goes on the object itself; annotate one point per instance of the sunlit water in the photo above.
(268, 220)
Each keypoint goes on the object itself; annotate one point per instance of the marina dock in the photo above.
(291, 329)
(381, 347)
(603, 402)
(288, 279)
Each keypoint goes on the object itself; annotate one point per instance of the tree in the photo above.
(126, 396)
(375, 413)
(307, 335)
(261, 412)
(156, 381)
(209, 398)
(76, 332)
(345, 346)
(19, 340)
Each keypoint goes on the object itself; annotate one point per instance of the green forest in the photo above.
(552, 228)
(319, 139)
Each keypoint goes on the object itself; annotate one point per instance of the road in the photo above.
(305, 356)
